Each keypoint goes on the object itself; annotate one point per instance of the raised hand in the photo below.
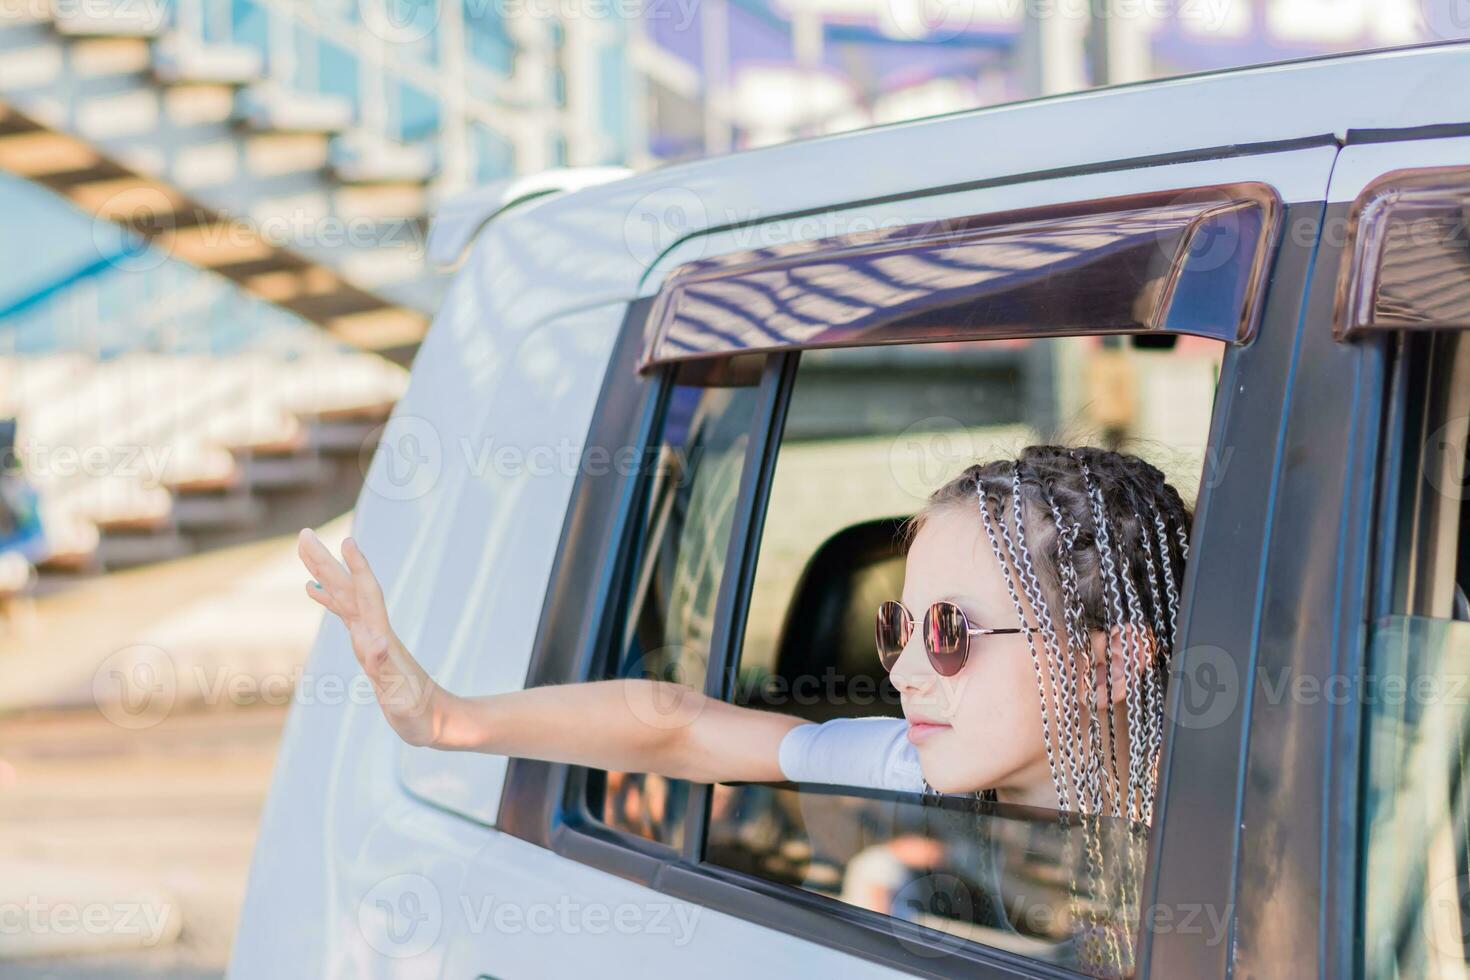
(410, 699)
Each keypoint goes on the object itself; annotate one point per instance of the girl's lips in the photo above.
(919, 731)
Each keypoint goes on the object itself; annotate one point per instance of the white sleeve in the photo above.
(866, 752)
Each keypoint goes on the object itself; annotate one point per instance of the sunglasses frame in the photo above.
(936, 659)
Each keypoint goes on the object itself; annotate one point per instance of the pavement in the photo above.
(125, 853)
(139, 718)
(232, 614)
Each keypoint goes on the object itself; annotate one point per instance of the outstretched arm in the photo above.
(622, 725)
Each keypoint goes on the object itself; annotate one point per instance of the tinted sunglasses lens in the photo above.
(892, 632)
(947, 637)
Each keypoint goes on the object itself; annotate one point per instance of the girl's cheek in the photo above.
(981, 702)
(1000, 698)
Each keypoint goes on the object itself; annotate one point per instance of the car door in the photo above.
(748, 923)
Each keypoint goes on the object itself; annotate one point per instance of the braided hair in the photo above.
(1092, 540)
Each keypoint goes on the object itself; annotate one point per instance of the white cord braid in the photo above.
(989, 522)
(1096, 555)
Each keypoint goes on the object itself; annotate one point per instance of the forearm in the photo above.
(620, 725)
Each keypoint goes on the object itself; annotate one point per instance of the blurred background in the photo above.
(212, 282)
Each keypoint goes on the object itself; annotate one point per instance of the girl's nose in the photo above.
(912, 674)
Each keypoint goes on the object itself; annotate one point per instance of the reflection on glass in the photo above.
(1055, 887)
(1409, 264)
(669, 620)
(1417, 799)
(1190, 260)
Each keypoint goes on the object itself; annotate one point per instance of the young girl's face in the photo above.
(981, 728)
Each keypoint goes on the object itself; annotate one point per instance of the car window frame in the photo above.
(772, 393)
(542, 819)
(682, 873)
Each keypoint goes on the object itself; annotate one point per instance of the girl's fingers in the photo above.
(322, 596)
(336, 581)
(367, 593)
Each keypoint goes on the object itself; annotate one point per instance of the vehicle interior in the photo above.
(828, 628)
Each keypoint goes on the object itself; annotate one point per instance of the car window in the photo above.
(1416, 691)
(868, 434)
(683, 534)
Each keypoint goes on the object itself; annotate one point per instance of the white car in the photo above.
(666, 425)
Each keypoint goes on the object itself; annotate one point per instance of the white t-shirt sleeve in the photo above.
(866, 752)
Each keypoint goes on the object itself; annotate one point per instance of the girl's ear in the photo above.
(1110, 650)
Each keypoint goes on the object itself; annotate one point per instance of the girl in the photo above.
(1029, 648)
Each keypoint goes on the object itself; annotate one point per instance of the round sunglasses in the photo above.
(947, 633)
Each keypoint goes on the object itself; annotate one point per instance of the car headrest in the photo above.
(827, 636)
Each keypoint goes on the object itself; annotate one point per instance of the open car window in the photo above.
(868, 434)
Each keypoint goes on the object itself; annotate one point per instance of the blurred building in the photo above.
(216, 204)
(749, 72)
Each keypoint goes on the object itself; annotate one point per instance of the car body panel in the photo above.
(1359, 164)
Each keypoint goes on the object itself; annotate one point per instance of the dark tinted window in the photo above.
(668, 620)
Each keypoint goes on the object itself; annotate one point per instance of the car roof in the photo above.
(595, 245)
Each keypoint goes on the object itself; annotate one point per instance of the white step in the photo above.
(360, 157)
(138, 18)
(122, 550)
(346, 438)
(267, 106)
(197, 511)
(177, 59)
(290, 471)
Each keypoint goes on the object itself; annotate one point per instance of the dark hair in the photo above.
(1058, 481)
